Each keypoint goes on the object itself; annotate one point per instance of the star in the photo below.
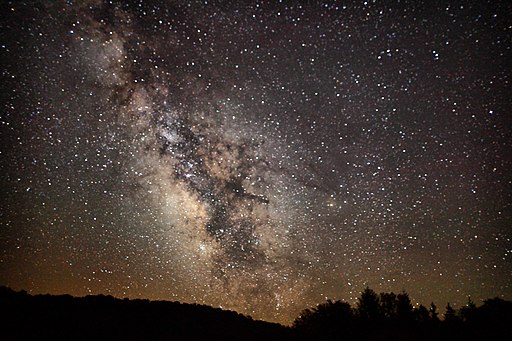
(261, 157)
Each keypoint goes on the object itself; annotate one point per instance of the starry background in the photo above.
(256, 156)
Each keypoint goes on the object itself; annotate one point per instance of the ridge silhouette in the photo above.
(384, 316)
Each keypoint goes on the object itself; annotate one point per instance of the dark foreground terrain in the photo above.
(376, 317)
(46, 317)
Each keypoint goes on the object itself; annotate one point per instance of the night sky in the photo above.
(256, 156)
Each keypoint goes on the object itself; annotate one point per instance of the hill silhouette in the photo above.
(63, 317)
(384, 316)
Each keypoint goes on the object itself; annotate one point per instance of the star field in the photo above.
(256, 156)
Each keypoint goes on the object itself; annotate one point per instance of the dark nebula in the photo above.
(257, 156)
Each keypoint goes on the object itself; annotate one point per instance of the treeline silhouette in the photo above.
(63, 317)
(385, 316)
(389, 316)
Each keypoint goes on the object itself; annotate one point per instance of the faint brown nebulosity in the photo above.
(256, 156)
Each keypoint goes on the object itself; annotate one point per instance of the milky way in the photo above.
(254, 156)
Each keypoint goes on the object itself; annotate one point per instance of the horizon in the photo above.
(259, 157)
(441, 310)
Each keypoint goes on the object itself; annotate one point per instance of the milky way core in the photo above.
(254, 156)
